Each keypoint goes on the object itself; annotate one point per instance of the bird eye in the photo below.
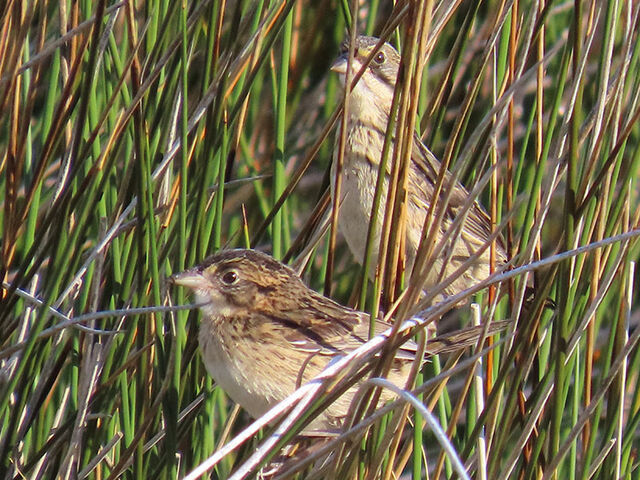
(230, 277)
(379, 58)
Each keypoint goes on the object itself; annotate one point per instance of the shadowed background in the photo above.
(137, 138)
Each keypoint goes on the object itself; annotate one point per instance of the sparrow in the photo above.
(263, 333)
(367, 118)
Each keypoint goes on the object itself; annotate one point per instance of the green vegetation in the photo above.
(136, 141)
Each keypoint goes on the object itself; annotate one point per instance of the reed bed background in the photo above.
(139, 137)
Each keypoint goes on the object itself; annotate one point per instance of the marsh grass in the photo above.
(137, 138)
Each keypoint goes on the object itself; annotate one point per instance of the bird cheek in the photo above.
(218, 305)
(217, 299)
(224, 310)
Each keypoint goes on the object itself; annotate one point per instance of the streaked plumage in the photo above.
(263, 331)
(367, 118)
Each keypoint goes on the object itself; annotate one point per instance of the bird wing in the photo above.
(446, 343)
(463, 338)
(328, 328)
(315, 323)
(426, 169)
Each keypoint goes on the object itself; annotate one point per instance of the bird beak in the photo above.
(340, 65)
(189, 278)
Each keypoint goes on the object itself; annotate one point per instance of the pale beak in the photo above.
(340, 65)
(189, 278)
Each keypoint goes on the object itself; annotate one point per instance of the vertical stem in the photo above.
(281, 117)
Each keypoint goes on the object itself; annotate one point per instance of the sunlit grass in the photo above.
(135, 142)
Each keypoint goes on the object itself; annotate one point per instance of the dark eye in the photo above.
(230, 277)
(379, 58)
